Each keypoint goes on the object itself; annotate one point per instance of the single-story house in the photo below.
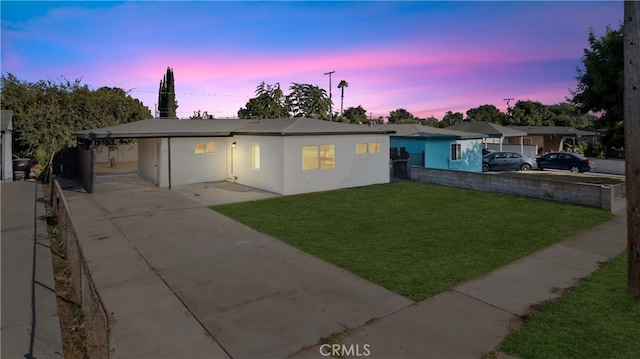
(439, 148)
(496, 134)
(6, 157)
(551, 138)
(284, 156)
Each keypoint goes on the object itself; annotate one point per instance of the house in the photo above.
(439, 148)
(6, 157)
(284, 156)
(497, 136)
(552, 138)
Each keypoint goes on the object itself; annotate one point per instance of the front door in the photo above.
(157, 164)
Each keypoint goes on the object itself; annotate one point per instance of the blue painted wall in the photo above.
(438, 152)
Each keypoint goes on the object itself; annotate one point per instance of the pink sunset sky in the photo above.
(425, 57)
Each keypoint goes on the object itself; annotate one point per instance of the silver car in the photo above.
(506, 161)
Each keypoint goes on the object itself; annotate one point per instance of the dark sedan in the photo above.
(504, 161)
(565, 161)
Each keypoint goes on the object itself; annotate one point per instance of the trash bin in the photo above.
(21, 169)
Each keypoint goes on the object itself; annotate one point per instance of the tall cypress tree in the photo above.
(167, 103)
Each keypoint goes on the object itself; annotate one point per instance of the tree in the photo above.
(529, 113)
(451, 118)
(355, 115)
(486, 113)
(430, 121)
(269, 102)
(565, 114)
(45, 113)
(341, 86)
(401, 116)
(167, 103)
(600, 86)
(201, 115)
(308, 100)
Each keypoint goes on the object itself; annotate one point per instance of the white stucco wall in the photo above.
(280, 162)
(189, 167)
(147, 159)
(269, 176)
(351, 169)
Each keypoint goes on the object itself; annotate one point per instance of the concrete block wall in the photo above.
(590, 195)
(614, 166)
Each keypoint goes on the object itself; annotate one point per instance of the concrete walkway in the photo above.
(183, 281)
(30, 325)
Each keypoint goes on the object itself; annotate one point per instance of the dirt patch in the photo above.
(70, 315)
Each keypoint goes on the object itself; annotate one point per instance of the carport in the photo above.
(146, 129)
(492, 130)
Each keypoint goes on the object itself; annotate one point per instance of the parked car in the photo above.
(486, 151)
(504, 161)
(565, 161)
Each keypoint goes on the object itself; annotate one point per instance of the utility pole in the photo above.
(330, 101)
(631, 35)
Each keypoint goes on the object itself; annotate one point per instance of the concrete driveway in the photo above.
(207, 285)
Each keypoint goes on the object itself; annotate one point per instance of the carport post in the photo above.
(169, 159)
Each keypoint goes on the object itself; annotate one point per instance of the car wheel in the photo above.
(574, 169)
(485, 167)
(540, 168)
(525, 167)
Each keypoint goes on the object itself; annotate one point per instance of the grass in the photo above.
(414, 238)
(596, 319)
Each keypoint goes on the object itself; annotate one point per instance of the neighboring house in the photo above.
(497, 135)
(6, 157)
(284, 156)
(552, 138)
(439, 148)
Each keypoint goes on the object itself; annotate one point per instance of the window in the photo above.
(327, 156)
(209, 147)
(456, 152)
(314, 157)
(371, 147)
(309, 157)
(527, 141)
(255, 156)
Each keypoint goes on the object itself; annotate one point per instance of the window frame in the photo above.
(455, 152)
(254, 156)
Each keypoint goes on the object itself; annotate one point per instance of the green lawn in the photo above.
(414, 238)
(596, 319)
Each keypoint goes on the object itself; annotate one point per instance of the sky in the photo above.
(427, 57)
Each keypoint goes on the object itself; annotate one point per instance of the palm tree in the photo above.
(341, 86)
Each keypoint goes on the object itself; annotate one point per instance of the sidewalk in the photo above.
(30, 326)
(183, 281)
(476, 316)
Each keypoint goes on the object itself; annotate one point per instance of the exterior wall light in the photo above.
(233, 145)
